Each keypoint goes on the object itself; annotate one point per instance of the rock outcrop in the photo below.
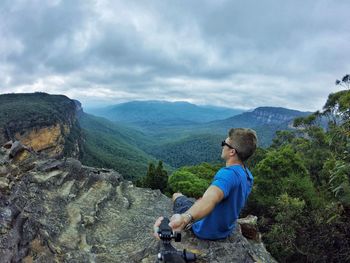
(57, 210)
(275, 115)
(46, 123)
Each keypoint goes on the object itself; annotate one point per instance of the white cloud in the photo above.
(222, 53)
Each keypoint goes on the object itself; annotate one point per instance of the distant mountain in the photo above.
(180, 145)
(180, 142)
(265, 120)
(178, 133)
(274, 116)
(146, 113)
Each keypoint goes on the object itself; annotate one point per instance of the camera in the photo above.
(167, 252)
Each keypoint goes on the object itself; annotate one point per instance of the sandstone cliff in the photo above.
(55, 210)
(46, 123)
(270, 115)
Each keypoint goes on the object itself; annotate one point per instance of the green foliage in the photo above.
(188, 184)
(204, 171)
(110, 146)
(345, 81)
(282, 138)
(282, 171)
(315, 152)
(340, 181)
(281, 239)
(305, 121)
(192, 180)
(325, 234)
(258, 156)
(302, 188)
(156, 178)
(104, 152)
(281, 163)
(338, 104)
(191, 150)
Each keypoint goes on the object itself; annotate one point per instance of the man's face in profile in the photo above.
(225, 149)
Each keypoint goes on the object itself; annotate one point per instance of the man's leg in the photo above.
(176, 195)
(181, 203)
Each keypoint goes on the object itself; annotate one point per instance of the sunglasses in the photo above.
(223, 143)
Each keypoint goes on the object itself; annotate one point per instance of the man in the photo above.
(214, 215)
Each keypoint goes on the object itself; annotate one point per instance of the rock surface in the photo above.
(249, 227)
(60, 211)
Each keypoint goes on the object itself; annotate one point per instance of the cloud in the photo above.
(226, 53)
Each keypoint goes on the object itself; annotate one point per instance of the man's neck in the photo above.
(231, 162)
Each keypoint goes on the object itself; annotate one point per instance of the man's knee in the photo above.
(176, 195)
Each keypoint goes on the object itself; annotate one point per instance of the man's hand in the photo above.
(178, 222)
(156, 227)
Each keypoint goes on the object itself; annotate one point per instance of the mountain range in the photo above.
(130, 135)
(138, 112)
(168, 120)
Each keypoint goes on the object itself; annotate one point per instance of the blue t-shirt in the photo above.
(236, 184)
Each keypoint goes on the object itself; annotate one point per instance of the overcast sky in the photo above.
(239, 54)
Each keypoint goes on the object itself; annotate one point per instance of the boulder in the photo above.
(249, 227)
(62, 211)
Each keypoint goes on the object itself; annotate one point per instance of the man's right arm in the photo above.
(200, 209)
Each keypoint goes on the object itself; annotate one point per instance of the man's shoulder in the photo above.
(237, 169)
(226, 174)
(231, 169)
(224, 171)
(233, 172)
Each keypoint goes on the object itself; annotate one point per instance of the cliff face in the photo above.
(268, 117)
(272, 115)
(60, 211)
(46, 123)
(49, 139)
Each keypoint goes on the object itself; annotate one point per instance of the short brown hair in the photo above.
(244, 141)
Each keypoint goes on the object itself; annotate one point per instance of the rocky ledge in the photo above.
(61, 211)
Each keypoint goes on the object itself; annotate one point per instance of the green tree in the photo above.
(282, 138)
(193, 180)
(188, 183)
(282, 171)
(150, 176)
(281, 239)
(160, 178)
(337, 109)
(156, 178)
(345, 81)
(340, 181)
(302, 186)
